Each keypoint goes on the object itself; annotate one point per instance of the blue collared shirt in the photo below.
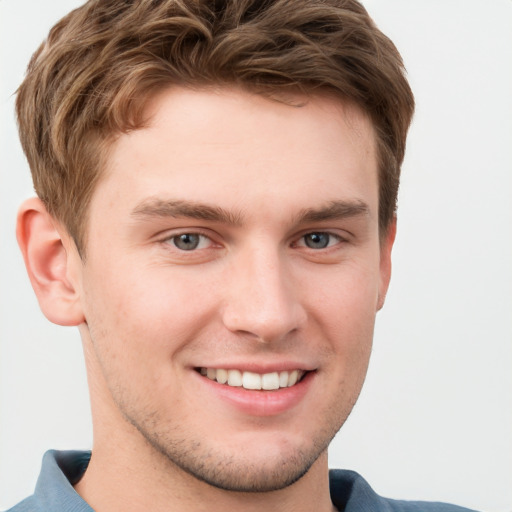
(61, 470)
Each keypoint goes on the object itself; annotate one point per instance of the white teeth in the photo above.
(234, 378)
(251, 380)
(270, 381)
(292, 377)
(222, 376)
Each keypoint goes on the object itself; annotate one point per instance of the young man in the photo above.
(216, 192)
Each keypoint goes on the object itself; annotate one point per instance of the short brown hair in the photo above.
(91, 78)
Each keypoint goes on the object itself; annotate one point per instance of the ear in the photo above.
(49, 256)
(386, 246)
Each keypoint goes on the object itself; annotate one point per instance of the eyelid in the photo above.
(166, 237)
(201, 241)
(339, 237)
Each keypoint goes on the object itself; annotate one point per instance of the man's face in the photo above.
(235, 237)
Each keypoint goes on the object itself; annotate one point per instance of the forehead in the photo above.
(228, 145)
(233, 114)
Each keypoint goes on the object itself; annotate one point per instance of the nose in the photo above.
(263, 299)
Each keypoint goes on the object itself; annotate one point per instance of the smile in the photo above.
(254, 381)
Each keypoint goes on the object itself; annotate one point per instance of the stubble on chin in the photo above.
(233, 472)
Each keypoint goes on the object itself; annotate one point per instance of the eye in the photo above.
(319, 240)
(190, 241)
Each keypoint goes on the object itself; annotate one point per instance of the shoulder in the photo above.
(421, 506)
(54, 488)
(27, 505)
(350, 492)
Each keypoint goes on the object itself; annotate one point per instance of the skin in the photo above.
(254, 178)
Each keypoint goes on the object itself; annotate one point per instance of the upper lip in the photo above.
(255, 367)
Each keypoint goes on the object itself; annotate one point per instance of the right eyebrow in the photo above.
(160, 208)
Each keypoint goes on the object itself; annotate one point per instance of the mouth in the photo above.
(253, 381)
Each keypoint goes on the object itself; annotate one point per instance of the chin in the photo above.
(263, 465)
(235, 475)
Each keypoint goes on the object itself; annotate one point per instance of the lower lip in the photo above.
(261, 402)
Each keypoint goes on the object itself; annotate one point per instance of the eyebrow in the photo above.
(334, 210)
(153, 207)
(159, 208)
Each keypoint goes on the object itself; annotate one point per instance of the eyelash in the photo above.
(173, 239)
(332, 236)
(191, 237)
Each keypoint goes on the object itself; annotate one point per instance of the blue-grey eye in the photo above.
(187, 241)
(317, 240)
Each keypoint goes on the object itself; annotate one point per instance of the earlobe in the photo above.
(47, 256)
(386, 247)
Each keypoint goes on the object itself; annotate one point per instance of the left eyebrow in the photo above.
(334, 210)
(160, 208)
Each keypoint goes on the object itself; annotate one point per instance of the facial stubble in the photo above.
(206, 462)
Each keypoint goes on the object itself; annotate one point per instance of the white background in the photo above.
(435, 418)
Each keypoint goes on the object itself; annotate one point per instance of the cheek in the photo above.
(345, 299)
(136, 333)
(345, 310)
(150, 312)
